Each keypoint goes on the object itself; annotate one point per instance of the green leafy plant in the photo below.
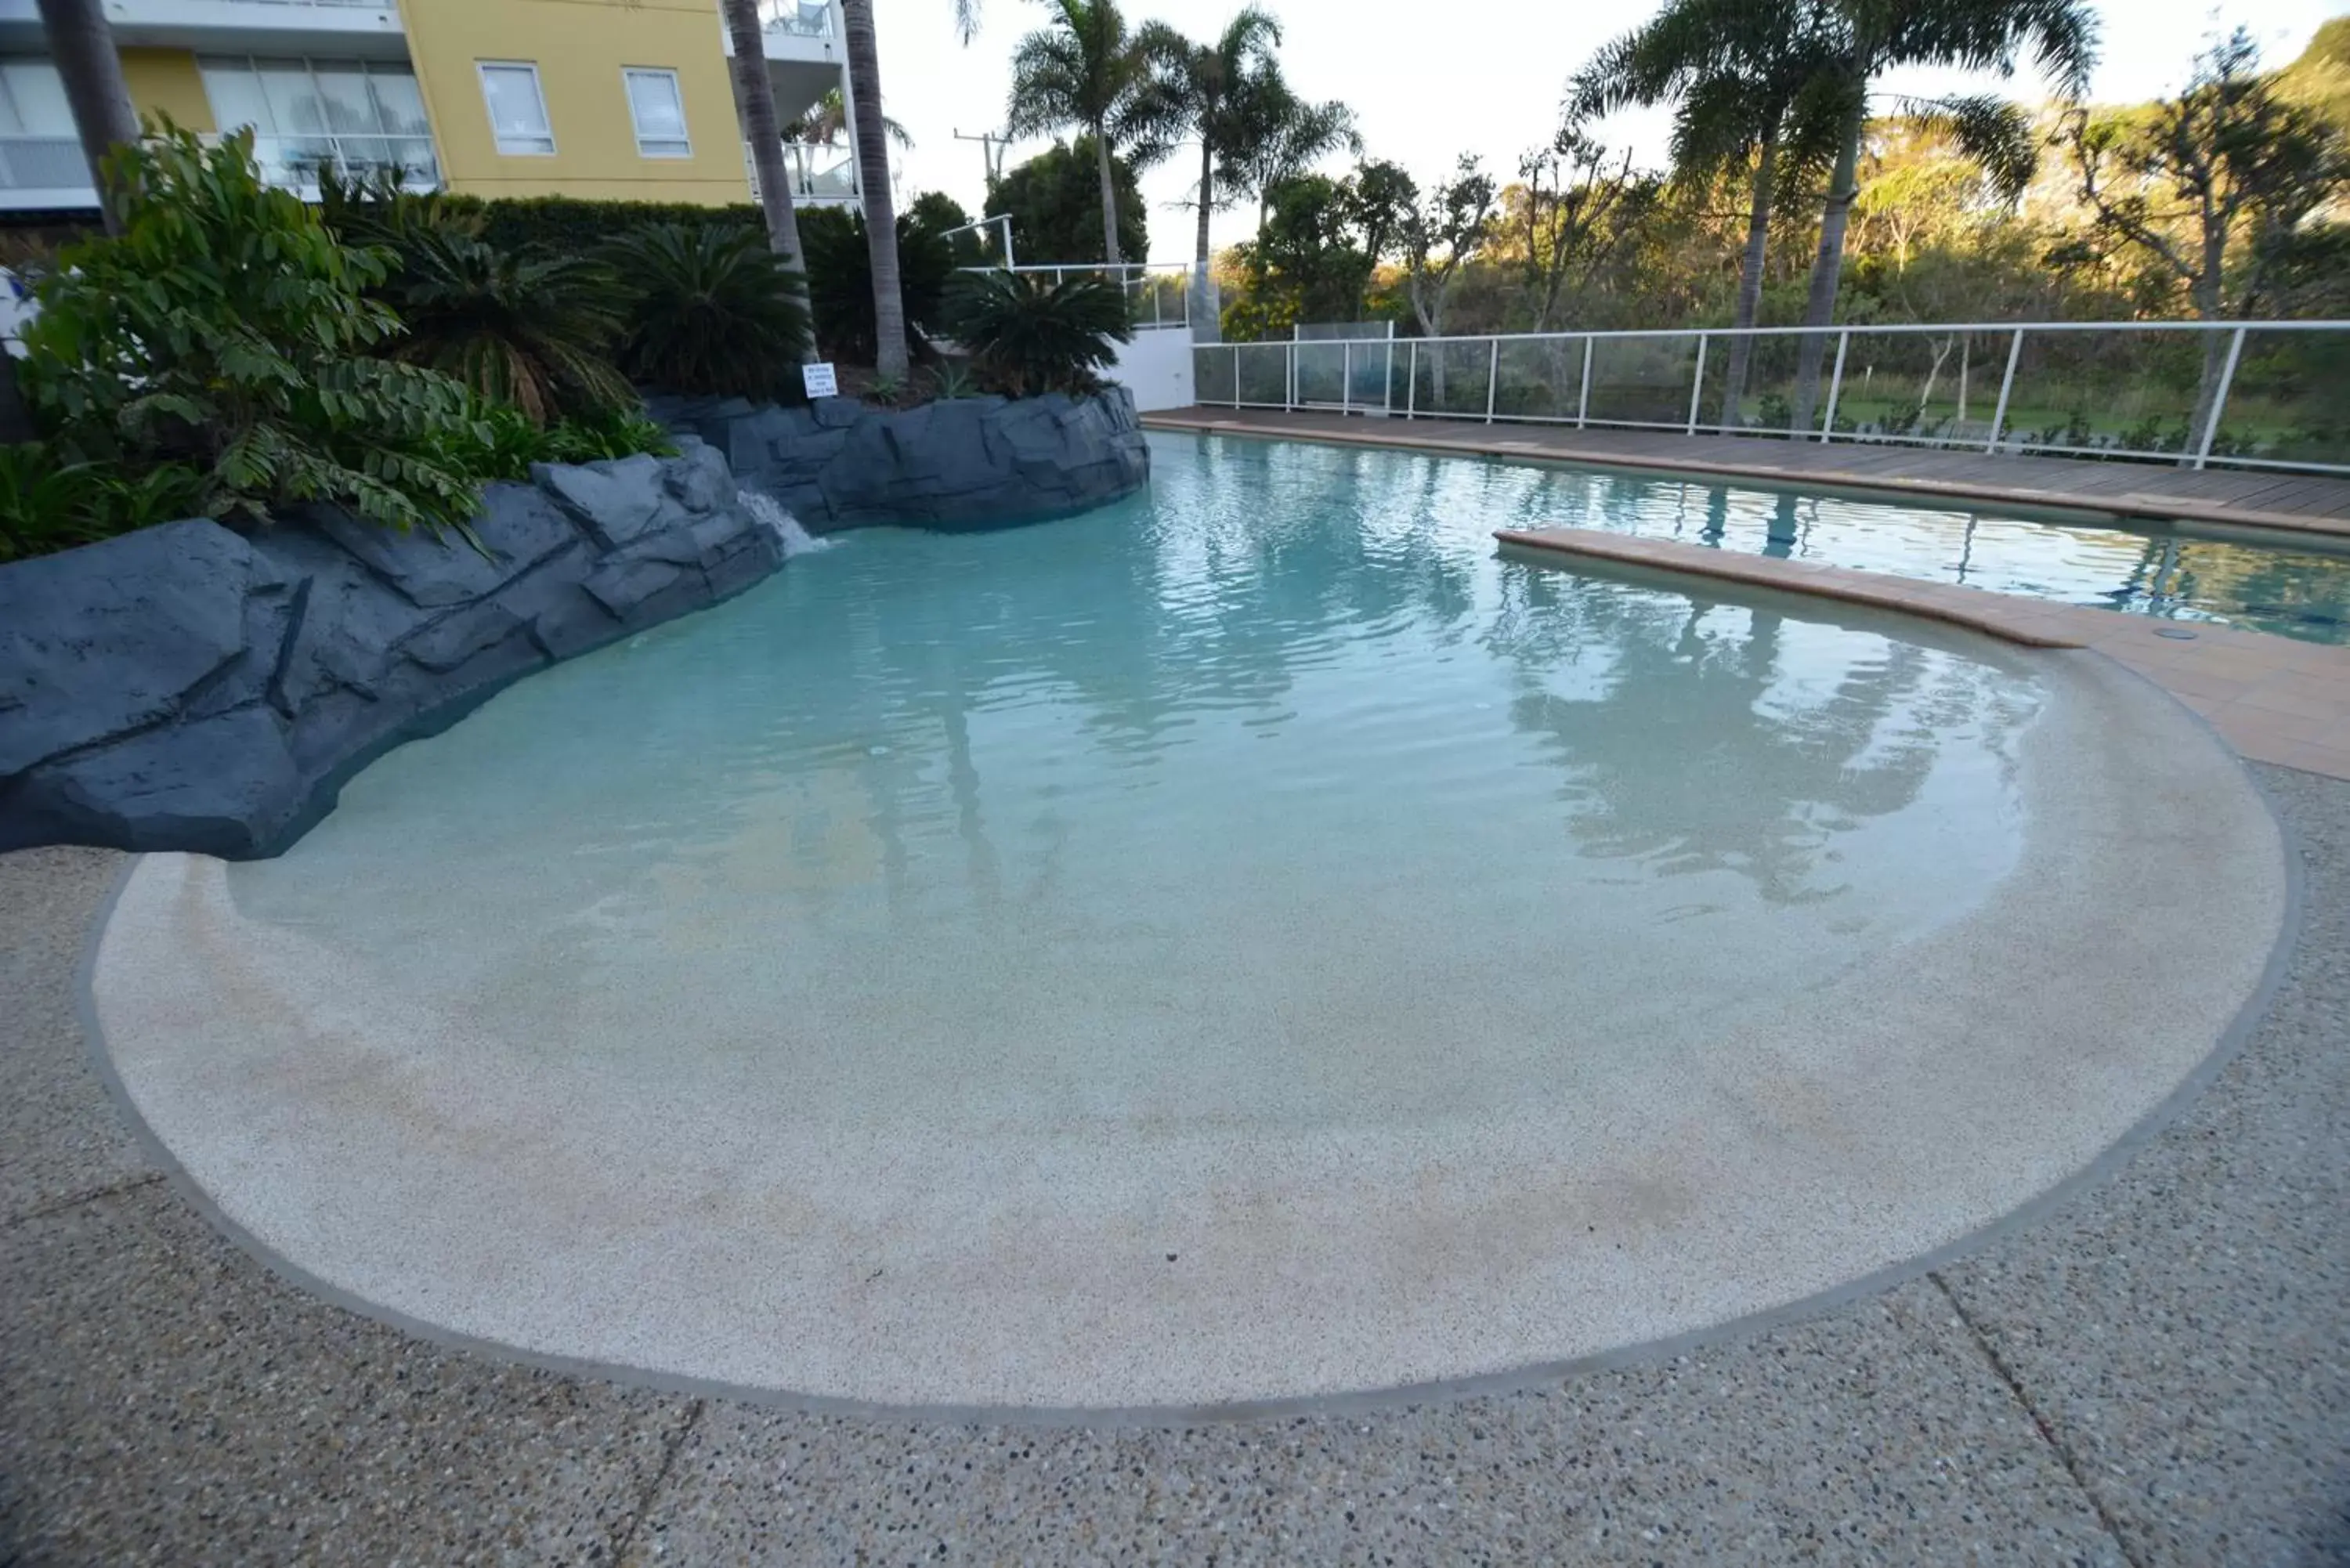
(840, 279)
(1028, 336)
(502, 443)
(889, 391)
(227, 330)
(49, 503)
(716, 312)
(953, 379)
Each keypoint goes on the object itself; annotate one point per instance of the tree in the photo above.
(2210, 186)
(1573, 215)
(1279, 137)
(1086, 70)
(889, 360)
(1210, 90)
(1443, 231)
(756, 94)
(1865, 38)
(1749, 89)
(82, 44)
(826, 121)
(1056, 207)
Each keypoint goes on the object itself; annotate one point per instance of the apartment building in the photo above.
(606, 99)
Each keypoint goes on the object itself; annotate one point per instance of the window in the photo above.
(517, 111)
(659, 110)
(33, 100)
(355, 116)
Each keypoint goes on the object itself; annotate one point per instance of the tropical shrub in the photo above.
(840, 279)
(1028, 336)
(715, 311)
(1054, 204)
(572, 225)
(49, 503)
(226, 330)
(502, 443)
(535, 331)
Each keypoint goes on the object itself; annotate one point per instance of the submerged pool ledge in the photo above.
(2272, 698)
(2027, 621)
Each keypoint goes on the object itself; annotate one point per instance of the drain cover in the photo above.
(2180, 633)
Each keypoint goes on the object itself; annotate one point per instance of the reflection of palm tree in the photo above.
(1663, 760)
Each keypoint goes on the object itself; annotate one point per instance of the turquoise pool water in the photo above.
(1269, 787)
(2293, 592)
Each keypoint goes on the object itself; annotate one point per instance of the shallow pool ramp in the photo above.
(2256, 499)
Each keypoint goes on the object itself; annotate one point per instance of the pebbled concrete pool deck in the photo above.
(2154, 1373)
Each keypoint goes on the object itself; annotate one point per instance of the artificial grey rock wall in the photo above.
(189, 686)
(967, 463)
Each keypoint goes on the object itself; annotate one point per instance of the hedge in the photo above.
(570, 226)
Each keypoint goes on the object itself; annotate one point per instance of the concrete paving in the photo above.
(2154, 1374)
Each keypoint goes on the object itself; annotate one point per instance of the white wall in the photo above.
(1157, 367)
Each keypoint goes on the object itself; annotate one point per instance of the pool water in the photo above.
(1256, 796)
(2293, 592)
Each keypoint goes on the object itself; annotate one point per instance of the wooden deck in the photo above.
(2310, 504)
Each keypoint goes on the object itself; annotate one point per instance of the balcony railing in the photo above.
(818, 172)
(794, 16)
(294, 161)
(43, 163)
(2255, 394)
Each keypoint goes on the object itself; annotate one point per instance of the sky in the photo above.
(1432, 79)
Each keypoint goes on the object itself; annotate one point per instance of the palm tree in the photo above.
(1869, 38)
(1210, 90)
(757, 95)
(1745, 79)
(826, 121)
(889, 359)
(1278, 136)
(1084, 69)
(81, 42)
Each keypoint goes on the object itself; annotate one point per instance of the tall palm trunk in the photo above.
(1749, 280)
(757, 97)
(1109, 196)
(1827, 267)
(1205, 328)
(873, 177)
(82, 44)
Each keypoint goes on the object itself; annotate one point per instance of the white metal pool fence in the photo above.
(2253, 394)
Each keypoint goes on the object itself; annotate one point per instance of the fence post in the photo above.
(1835, 387)
(1583, 399)
(1289, 397)
(1697, 384)
(1411, 380)
(2219, 399)
(1347, 377)
(2006, 385)
(1236, 375)
(1493, 377)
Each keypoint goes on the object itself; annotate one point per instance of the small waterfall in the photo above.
(766, 509)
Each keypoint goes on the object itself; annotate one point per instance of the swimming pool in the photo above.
(2291, 590)
(1250, 942)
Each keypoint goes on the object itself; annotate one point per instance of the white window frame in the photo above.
(677, 90)
(482, 69)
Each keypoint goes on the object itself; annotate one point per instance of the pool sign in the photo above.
(819, 380)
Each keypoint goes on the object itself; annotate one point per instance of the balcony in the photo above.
(824, 176)
(345, 28)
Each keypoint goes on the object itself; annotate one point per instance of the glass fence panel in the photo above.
(2290, 400)
(1540, 379)
(1214, 379)
(1642, 380)
(1264, 372)
(1766, 382)
(1452, 377)
(2101, 393)
(1932, 388)
(1321, 374)
(1370, 372)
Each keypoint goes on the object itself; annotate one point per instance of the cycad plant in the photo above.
(1028, 336)
(716, 313)
(534, 332)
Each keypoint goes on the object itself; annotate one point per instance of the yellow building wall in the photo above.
(166, 81)
(579, 48)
